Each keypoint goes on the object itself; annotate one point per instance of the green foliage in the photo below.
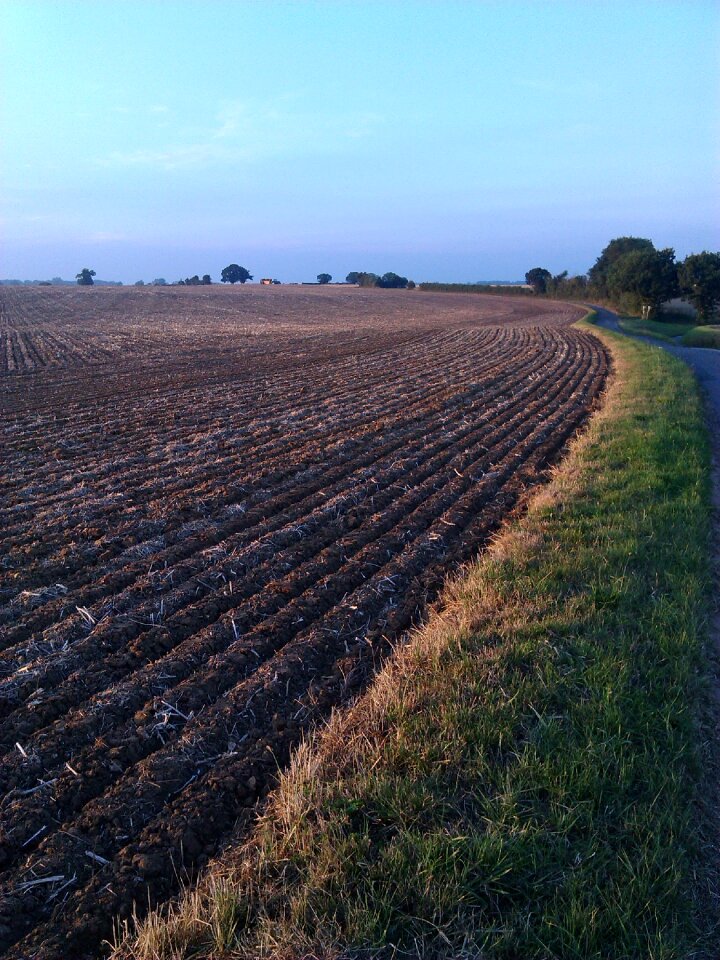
(85, 277)
(206, 279)
(703, 337)
(411, 284)
(538, 278)
(598, 273)
(392, 281)
(699, 278)
(234, 273)
(362, 278)
(366, 279)
(324, 278)
(647, 275)
(571, 288)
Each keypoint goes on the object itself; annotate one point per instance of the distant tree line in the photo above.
(388, 281)
(504, 289)
(195, 281)
(234, 273)
(631, 273)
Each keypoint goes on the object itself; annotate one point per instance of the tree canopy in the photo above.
(324, 278)
(85, 277)
(392, 281)
(234, 273)
(538, 278)
(363, 278)
(598, 273)
(648, 275)
(699, 278)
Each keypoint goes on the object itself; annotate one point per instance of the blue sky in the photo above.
(441, 140)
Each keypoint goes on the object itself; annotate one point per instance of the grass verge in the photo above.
(689, 333)
(524, 777)
(660, 329)
(703, 337)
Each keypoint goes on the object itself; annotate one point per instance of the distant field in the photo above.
(47, 329)
(680, 307)
(219, 509)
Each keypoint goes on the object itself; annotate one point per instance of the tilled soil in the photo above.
(203, 555)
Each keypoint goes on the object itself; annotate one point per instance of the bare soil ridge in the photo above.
(210, 543)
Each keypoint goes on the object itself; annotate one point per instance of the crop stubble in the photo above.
(216, 523)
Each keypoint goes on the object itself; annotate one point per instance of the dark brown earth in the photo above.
(219, 511)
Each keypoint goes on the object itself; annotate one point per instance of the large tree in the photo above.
(362, 278)
(324, 278)
(392, 281)
(598, 273)
(538, 278)
(235, 274)
(85, 277)
(699, 278)
(649, 277)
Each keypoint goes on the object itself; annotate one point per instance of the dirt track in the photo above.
(216, 536)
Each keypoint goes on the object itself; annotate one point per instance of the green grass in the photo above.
(522, 780)
(660, 329)
(703, 337)
(689, 333)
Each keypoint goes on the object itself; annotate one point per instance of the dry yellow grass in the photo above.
(569, 654)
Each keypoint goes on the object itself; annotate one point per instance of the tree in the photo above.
(324, 278)
(598, 273)
(391, 281)
(85, 277)
(206, 279)
(160, 282)
(362, 278)
(411, 284)
(699, 277)
(555, 286)
(538, 278)
(235, 274)
(139, 283)
(647, 276)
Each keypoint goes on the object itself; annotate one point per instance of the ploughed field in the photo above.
(219, 509)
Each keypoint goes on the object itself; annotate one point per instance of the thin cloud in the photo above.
(244, 131)
(176, 157)
(102, 236)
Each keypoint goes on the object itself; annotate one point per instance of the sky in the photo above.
(454, 141)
